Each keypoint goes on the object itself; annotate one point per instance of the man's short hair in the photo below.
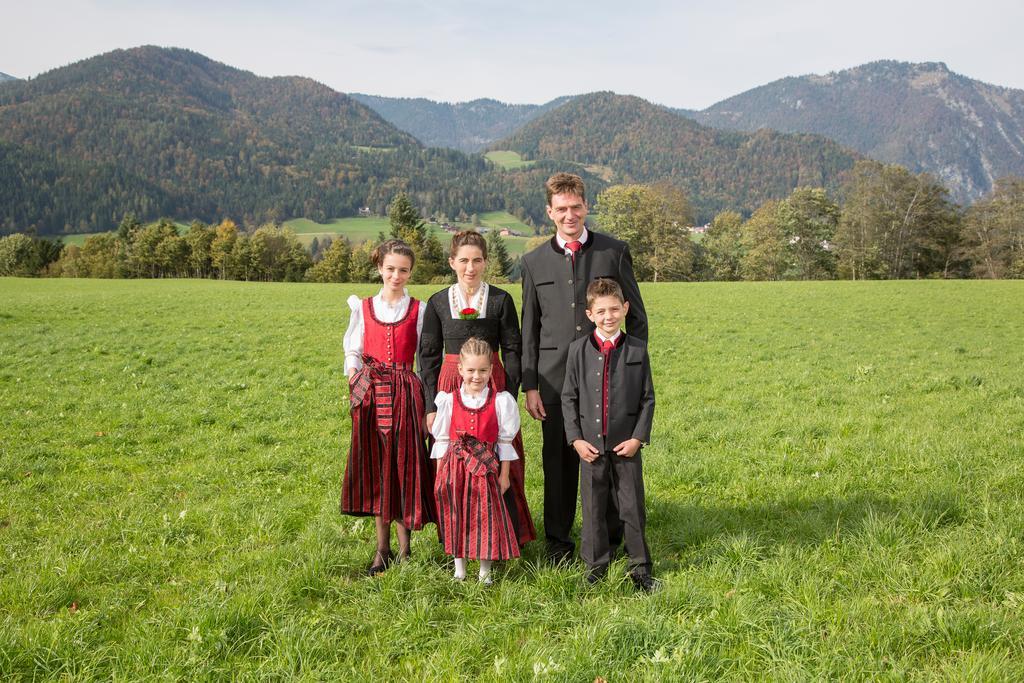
(603, 286)
(565, 183)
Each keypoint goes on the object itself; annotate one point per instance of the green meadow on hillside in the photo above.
(358, 230)
(361, 229)
(833, 490)
(508, 160)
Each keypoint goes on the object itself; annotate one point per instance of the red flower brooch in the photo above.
(469, 314)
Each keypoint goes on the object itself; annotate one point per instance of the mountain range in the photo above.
(168, 132)
(922, 116)
(466, 126)
(630, 140)
(163, 131)
(6, 77)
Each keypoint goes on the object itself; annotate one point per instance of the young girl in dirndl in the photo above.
(388, 475)
(473, 431)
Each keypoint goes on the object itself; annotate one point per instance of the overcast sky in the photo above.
(683, 54)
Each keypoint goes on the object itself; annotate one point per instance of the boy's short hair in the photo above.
(564, 183)
(603, 286)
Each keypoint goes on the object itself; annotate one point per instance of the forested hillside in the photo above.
(158, 131)
(636, 141)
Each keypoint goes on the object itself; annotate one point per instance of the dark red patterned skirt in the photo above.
(474, 521)
(389, 473)
(449, 380)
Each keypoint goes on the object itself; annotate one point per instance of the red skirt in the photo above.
(389, 473)
(449, 380)
(474, 521)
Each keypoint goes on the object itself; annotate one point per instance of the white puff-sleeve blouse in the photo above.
(385, 312)
(505, 407)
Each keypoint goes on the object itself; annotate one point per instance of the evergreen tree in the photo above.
(499, 263)
(408, 226)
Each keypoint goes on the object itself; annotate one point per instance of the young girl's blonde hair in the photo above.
(474, 346)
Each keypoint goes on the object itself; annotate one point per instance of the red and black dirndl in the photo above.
(473, 520)
(388, 472)
(449, 380)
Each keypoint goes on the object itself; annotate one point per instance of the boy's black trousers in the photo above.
(608, 482)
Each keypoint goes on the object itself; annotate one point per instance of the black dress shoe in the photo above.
(645, 583)
(560, 558)
(380, 563)
(596, 574)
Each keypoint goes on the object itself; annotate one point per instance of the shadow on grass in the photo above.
(675, 529)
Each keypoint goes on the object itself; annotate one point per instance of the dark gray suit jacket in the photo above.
(555, 302)
(630, 393)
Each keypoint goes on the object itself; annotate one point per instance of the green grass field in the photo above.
(508, 160)
(833, 492)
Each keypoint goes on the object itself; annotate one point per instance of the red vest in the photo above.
(390, 342)
(481, 422)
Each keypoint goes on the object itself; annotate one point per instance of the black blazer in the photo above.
(443, 334)
(630, 393)
(555, 300)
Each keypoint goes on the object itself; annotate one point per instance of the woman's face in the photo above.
(469, 265)
(395, 270)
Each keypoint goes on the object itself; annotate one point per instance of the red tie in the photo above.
(573, 246)
(607, 345)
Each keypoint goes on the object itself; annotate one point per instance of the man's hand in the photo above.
(430, 420)
(534, 406)
(586, 450)
(628, 448)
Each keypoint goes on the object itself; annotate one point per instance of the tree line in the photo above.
(884, 223)
(269, 253)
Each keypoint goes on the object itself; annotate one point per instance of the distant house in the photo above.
(506, 232)
(365, 211)
(699, 229)
(447, 227)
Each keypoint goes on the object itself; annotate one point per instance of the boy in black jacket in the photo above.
(608, 408)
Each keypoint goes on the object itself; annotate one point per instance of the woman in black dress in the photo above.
(473, 308)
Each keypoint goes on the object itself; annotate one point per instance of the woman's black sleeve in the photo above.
(510, 340)
(431, 353)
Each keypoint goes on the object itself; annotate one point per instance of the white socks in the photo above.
(460, 570)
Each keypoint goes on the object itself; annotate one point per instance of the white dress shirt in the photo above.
(562, 243)
(385, 312)
(505, 407)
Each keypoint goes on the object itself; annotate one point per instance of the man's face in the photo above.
(568, 211)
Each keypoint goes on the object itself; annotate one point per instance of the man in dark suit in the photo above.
(608, 404)
(555, 279)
